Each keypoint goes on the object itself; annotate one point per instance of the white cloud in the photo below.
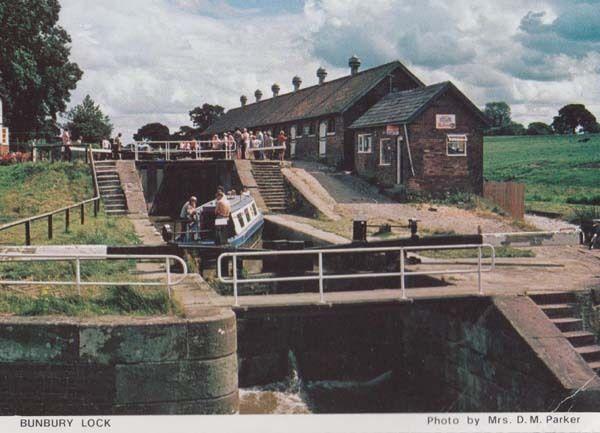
(154, 60)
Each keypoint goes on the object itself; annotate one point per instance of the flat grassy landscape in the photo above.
(561, 173)
(29, 189)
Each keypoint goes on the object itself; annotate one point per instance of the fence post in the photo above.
(50, 226)
(82, 211)
(67, 218)
(235, 283)
(479, 270)
(78, 274)
(28, 233)
(168, 268)
(96, 208)
(402, 282)
(322, 295)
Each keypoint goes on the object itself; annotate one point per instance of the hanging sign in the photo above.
(445, 121)
(392, 130)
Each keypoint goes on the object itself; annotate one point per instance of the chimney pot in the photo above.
(275, 89)
(296, 81)
(321, 73)
(354, 63)
(243, 100)
(258, 95)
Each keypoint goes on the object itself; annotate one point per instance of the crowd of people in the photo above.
(115, 145)
(244, 144)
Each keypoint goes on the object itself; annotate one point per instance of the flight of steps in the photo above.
(270, 184)
(559, 309)
(110, 188)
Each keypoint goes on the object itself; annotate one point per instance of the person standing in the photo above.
(117, 146)
(281, 139)
(268, 142)
(66, 145)
(245, 142)
(237, 136)
(260, 138)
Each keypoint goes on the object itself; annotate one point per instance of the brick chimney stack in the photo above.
(354, 63)
(243, 100)
(296, 81)
(275, 89)
(258, 95)
(321, 73)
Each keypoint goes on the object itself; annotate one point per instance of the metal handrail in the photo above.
(78, 258)
(27, 221)
(322, 277)
(198, 151)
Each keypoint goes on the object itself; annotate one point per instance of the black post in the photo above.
(412, 223)
(67, 217)
(28, 233)
(82, 208)
(95, 208)
(359, 231)
(50, 226)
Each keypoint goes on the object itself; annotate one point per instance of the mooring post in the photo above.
(50, 226)
(67, 218)
(28, 233)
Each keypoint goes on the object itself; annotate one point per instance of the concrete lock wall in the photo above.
(469, 354)
(119, 365)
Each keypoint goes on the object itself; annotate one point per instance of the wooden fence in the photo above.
(510, 196)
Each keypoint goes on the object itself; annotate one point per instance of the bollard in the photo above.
(359, 231)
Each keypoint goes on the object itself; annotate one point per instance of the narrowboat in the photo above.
(243, 228)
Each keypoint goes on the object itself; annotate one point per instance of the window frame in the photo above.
(358, 147)
(299, 127)
(381, 141)
(312, 128)
(331, 121)
(449, 139)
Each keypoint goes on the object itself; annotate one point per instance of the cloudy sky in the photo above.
(153, 60)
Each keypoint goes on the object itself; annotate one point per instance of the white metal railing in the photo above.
(321, 277)
(78, 258)
(170, 149)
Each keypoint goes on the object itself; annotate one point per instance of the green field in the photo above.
(561, 173)
(29, 189)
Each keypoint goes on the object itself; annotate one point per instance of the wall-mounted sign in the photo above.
(392, 130)
(4, 136)
(445, 121)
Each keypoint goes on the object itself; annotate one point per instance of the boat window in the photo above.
(254, 208)
(252, 214)
(247, 212)
(241, 220)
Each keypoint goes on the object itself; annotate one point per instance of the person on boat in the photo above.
(245, 192)
(222, 212)
(188, 214)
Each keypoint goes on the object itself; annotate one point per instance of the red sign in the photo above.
(392, 130)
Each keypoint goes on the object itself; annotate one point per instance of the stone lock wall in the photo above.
(119, 365)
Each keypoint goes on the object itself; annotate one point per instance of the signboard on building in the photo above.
(445, 121)
(392, 130)
(3, 140)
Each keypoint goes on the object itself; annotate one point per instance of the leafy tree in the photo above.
(498, 113)
(87, 120)
(513, 128)
(203, 117)
(572, 116)
(153, 132)
(539, 128)
(36, 76)
(185, 133)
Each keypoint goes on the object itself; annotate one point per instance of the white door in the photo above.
(323, 138)
(292, 141)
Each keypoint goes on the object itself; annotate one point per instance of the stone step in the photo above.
(568, 324)
(589, 353)
(595, 366)
(274, 194)
(555, 311)
(553, 298)
(114, 201)
(580, 338)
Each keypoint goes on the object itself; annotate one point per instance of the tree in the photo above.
(153, 132)
(539, 128)
(203, 117)
(36, 76)
(185, 133)
(572, 116)
(498, 113)
(87, 120)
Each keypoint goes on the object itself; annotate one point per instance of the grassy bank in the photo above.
(29, 189)
(561, 173)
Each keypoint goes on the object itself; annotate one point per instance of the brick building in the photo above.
(429, 138)
(383, 123)
(316, 118)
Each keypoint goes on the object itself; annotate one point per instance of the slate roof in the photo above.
(403, 107)
(331, 97)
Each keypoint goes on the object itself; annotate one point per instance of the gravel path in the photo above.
(549, 224)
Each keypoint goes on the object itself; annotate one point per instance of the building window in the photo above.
(306, 128)
(365, 143)
(299, 130)
(385, 151)
(456, 145)
(312, 127)
(331, 125)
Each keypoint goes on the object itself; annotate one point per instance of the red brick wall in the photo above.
(434, 170)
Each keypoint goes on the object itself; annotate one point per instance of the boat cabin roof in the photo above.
(237, 202)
